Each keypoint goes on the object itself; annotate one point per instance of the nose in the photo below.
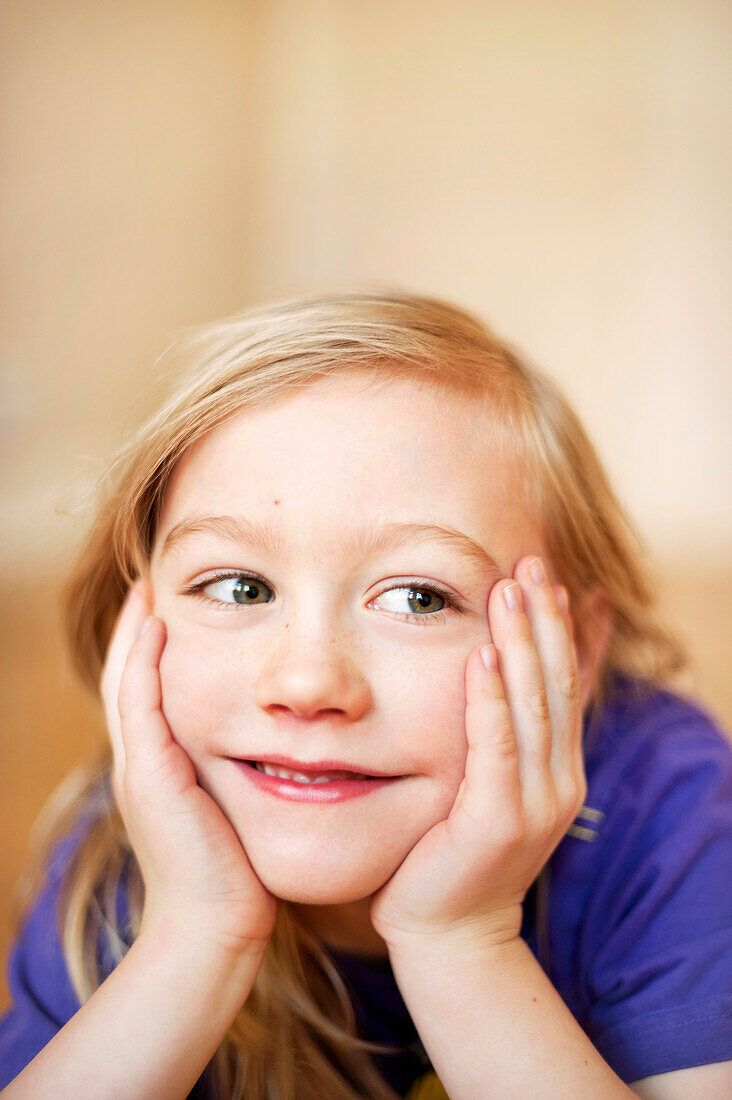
(307, 688)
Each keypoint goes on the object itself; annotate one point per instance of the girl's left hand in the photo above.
(524, 778)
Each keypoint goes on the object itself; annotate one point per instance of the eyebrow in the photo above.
(369, 540)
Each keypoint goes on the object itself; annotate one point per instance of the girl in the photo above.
(396, 802)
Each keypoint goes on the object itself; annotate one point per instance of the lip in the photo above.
(315, 767)
(338, 790)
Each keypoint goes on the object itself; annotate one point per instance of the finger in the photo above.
(145, 732)
(126, 629)
(127, 626)
(558, 659)
(491, 784)
(578, 758)
(563, 601)
(523, 683)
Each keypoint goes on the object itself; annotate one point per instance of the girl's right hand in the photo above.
(199, 883)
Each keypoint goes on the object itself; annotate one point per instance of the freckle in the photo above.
(277, 502)
(533, 998)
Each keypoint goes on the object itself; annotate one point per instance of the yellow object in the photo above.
(428, 1087)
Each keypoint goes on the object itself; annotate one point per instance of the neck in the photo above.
(345, 927)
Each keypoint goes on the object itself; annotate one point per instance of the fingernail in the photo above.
(562, 600)
(512, 596)
(536, 571)
(489, 656)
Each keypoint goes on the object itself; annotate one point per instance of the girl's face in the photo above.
(333, 657)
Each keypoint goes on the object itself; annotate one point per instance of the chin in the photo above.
(320, 886)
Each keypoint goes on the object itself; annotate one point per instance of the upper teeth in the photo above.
(288, 773)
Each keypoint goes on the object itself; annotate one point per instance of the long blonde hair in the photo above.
(295, 1037)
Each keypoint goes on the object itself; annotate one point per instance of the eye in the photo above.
(245, 591)
(426, 603)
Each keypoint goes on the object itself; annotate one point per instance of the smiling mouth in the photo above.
(308, 771)
(302, 776)
(275, 780)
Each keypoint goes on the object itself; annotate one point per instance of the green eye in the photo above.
(245, 592)
(419, 599)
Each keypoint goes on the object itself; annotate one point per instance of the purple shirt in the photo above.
(640, 910)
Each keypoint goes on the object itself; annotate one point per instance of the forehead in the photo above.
(344, 451)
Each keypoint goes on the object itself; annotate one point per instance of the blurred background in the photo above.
(563, 169)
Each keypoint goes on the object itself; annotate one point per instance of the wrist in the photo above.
(456, 943)
(495, 932)
(197, 946)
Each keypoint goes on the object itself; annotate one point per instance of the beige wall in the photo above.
(562, 168)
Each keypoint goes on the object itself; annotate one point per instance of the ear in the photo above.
(593, 623)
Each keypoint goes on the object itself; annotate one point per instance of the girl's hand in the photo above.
(524, 779)
(199, 883)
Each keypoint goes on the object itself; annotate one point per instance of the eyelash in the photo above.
(451, 602)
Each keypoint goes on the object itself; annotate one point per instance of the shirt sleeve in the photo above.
(42, 997)
(657, 941)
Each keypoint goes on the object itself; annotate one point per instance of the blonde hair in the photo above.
(295, 1037)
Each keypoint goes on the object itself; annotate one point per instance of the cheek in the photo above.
(434, 715)
(198, 690)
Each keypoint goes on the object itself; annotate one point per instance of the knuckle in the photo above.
(127, 703)
(572, 802)
(546, 829)
(568, 683)
(538, 705)
(568, 799)
(503, 740)
(161, 773)
(512, 830)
